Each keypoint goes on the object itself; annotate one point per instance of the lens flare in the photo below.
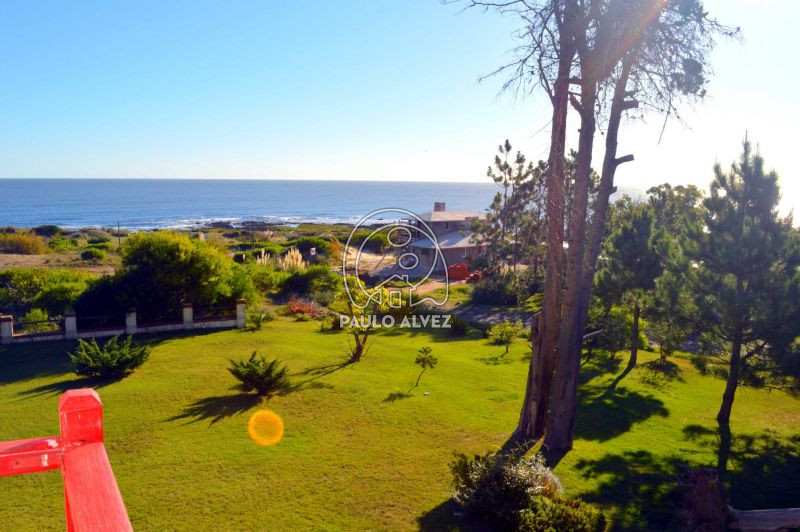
(265, 428)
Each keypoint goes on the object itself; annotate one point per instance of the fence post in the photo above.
(70, 325)
(6, 329)
(130, 321)
(188, 316)
(241, 313)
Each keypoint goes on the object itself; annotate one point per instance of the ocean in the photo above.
(184, 203)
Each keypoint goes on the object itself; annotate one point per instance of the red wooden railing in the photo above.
(91, 496)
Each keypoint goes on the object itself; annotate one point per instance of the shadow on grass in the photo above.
(57, 388)
(658, 373)
(317, 372)
(498, 360)
(34, 360)
(598, 365)
(446, 516)
(396, 396)
(760, 471)
(217, 408)
(642, 486)
(605, 416)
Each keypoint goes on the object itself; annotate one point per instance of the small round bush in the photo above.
(62, 244)
(256, 374)
(105, 246)
(495, 487)
(559, 513)
(47, 230)
(93, 254)
(98, 238)
(113, 360)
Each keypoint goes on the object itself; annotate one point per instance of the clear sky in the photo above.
(346, 89)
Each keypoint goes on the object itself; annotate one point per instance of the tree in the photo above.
(365, 306)
(425, 360)
(634, 260)
(746, 277)
(676, 209)
(619, 54)
(516, 212)
(162, 270)
(504, 333)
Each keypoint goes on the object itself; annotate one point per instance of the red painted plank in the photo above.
(93, 499)
(81, 416)
(29, 456)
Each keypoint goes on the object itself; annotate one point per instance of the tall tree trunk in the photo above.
(532, 420)
(606, 188)
(561, 423)
(637, 312)
(724, 415)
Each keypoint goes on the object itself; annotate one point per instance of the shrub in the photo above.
(559, 513)
(266, 278)
(266, 378)
(105, 246)
(504, 333)
(259, 318)
(111, 361)
(37, 315)
(304, 307)
(47, 230)
(304, 244)
(318, 282)
(62, 244)
(23, 242)
(51, 290)
(160, 271)
(495, 488)
(99, 239)
(458, 326)
(93, 254)
(496, 290)
(376, 243)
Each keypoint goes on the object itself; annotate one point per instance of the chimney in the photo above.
(438, 206)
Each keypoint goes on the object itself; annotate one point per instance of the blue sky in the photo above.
(371, 89)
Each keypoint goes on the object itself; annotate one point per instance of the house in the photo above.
(453, 235)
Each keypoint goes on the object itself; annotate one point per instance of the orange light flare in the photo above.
(265, 428)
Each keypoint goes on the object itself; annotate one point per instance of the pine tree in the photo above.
(746, 276)
(635, 257)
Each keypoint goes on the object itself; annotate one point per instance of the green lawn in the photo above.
(361, 453)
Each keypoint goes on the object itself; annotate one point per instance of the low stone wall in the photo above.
(70, 326)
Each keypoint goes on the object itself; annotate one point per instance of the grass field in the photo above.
(362, 452)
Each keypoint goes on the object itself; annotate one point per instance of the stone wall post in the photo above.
(130, 322)
(70, 325)
(6, 329)
(241, 313)
(188, 316)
